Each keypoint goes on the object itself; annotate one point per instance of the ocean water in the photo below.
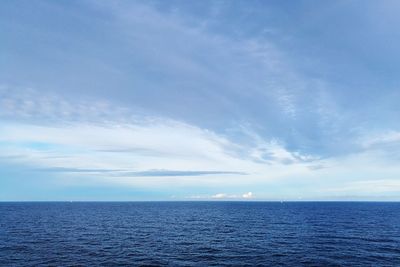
(200, 234)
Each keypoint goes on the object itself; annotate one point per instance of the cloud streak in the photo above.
(166, 173)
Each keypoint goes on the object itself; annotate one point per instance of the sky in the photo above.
(199, 100)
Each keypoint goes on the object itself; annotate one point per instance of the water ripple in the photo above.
(200, 234)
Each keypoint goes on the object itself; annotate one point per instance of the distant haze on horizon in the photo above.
(199, 100)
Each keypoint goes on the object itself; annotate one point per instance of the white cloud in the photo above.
(113, 149)
(100, 134)
(227, 196)
(159, 152)
(248, 195)
(220, 196)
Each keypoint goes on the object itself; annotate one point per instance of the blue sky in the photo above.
(199, 100)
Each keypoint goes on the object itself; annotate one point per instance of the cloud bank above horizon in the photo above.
(134, 100)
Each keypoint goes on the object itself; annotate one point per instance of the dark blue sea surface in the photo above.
(200, 234)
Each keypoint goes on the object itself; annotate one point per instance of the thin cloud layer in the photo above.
(154, 147)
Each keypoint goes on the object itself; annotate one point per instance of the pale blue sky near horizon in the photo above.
(199, 100)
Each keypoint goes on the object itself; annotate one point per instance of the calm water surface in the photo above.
(200, 234)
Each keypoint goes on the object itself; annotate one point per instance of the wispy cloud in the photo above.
(161, 173)
(75, 170)
(28, 104)
(141, 153)
(127, 148)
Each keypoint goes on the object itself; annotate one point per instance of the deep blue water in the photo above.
(200, 234)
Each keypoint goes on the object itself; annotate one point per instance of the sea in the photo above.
(199, 234)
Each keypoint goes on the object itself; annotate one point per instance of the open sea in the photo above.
(200, 234)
